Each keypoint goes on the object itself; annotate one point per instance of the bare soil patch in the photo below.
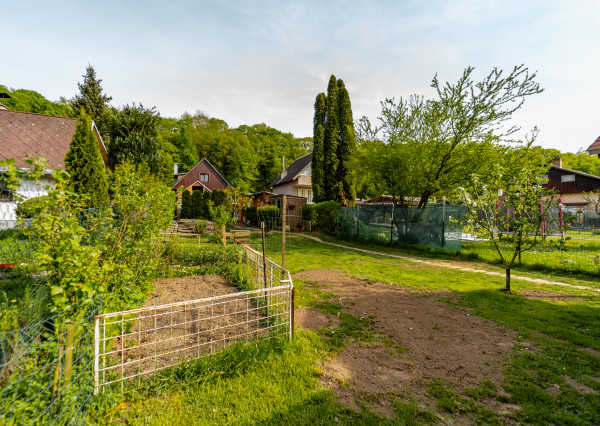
(440, 342)
(315, 320)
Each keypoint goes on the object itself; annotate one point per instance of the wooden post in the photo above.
(69, 352)
(283, 225)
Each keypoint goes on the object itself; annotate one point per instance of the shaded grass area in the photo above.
(277, 383)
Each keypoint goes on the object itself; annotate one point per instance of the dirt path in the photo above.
(452, 265)
(421, 339)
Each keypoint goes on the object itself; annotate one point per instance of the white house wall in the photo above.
(28, 189)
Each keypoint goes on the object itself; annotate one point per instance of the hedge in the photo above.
(323, 215)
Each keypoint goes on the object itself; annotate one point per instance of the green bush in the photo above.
(30, 208)
(326, 216)
(250, 214)
(197, 199)
(186, 205)
(308, 212)
(200, 226)
(268, 214)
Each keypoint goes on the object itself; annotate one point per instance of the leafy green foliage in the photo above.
(330, 158)
(346, 148)
(197, 200)
(187, 211)
(85, 166)
(429, 145)
(525, 208)
(32, 101)
(250, 214)
(324, 215)
(132, 138)
(318, 148)
(91, 100)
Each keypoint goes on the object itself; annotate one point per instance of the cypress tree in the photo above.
(84, 163)
(317, 154)
(206, 197)
(330, 160)
(186, 205)
(91, 100)
(346, 147)
(196, 204)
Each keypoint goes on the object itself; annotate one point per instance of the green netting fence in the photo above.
(436, 226)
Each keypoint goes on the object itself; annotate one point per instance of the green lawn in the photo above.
(277, 383)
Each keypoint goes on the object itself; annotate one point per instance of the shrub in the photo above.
(30, 208)
(308, 212)
(326, 216)
(200, 226)
(186, 205)
(206, 197)
(197, 199)
(250, 214)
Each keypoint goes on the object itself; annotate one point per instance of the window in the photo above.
(567, 178)
(5, 193)
(203, 177)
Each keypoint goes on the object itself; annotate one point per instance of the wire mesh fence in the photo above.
(570, 241)
(436, 226)
(138, 342)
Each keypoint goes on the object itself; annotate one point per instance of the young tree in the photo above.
(91, 100)
(525, 207)
(318, 146)
(436, 140)
(132, 137)
(346, 147)
(85, 166)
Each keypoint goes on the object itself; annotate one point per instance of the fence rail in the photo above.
(134, 343)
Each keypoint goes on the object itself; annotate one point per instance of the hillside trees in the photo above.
(338, 146)
(431, 146)
(92, 100)
(85, 166)
(32, 101)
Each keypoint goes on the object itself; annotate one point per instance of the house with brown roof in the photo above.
(594, 148)
(202, 177)
(571, 186)
(39, 135)
(296, 179)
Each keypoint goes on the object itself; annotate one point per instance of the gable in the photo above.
(204, 167)
(294, 170)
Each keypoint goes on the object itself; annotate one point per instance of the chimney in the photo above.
(283, 171)
(175, 168)
(557, 161)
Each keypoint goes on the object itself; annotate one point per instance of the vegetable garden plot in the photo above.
(134, 343)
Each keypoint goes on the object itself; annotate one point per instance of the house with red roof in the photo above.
(39, 135)
(202, 177)
(594, 148)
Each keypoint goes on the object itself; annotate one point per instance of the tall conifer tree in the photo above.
(317, 154)
(91, 100)
(84, 163)
(330, 160)
(346, 147)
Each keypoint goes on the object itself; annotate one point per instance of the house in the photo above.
(39, 135)
(571, 185)
(203, 176)
(594, 148)
(295, 180)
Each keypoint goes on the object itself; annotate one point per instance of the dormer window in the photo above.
(203, 177)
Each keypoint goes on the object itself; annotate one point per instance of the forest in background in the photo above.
(249, 157)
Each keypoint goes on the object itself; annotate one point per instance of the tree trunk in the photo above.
(507, 288)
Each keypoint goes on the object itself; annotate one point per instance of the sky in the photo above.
(264, 61)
